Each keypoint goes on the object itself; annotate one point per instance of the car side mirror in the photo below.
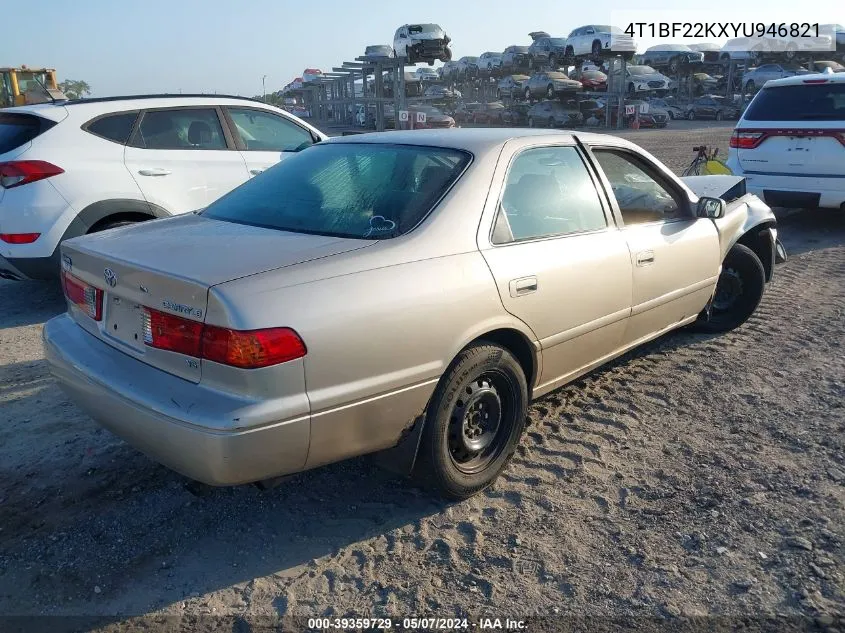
(710, 208)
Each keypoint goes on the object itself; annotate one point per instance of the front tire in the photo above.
(738, 291)
(691, 115)
(528, 94)
(531, 121)
(473, 423)
(550, 92)
(718, 115)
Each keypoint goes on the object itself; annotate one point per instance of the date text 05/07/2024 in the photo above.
(707, 30)
(413, 624)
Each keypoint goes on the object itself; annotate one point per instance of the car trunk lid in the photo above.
(794, 129)
(169, 265)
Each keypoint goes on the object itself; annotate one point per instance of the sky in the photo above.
(130, 47)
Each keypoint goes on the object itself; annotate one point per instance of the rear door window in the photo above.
(800, 102)
(182, 128)
(548, 192)
(17, 129)
(114, 127)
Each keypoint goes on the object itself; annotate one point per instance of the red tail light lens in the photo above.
(243, 349)
(251, 349)
(21, 172)
(88, 298)
(746, 140)
(172, 333)
(19, 238)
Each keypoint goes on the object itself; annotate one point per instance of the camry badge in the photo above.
(110, 277)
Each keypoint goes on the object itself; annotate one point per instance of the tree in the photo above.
(75, 89)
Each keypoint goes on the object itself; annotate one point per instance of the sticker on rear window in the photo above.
(380, 224)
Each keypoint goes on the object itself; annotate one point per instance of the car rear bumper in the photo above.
(783, 190)
(202, 433)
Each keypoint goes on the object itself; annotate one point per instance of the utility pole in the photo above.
(263, 89)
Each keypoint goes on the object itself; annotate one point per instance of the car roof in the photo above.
(473, 140)
(834, 78)
(668, 47)
(133, 102)
(86, 109)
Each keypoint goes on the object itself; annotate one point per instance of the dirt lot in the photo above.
(697, 476)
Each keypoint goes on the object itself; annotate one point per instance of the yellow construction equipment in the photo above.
(22, 86)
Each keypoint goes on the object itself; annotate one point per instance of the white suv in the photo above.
(71, 168)
(790, 142)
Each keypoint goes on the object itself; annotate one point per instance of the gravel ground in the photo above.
(697, 476)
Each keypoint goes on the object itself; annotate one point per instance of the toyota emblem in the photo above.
(110, 276)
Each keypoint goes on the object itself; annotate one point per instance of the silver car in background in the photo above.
(402, 292)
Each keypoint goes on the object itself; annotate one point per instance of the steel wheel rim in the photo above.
(478, 430)
(728, 290)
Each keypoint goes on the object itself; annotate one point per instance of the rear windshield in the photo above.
(17, 129)
(353, 190)
(802, 102)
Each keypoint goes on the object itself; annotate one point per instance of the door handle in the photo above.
(522, 286)
(154, 171)
(645, 258)
(255, 172)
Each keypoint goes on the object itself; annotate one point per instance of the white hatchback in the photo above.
(790, 142)
(77, 167)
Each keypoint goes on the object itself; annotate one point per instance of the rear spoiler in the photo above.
(728, 188)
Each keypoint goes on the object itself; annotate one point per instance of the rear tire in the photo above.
(473, 423)
(738, 291)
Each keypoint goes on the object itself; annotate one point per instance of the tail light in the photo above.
(746, 140)
(19, 238)
(172, 333)
(22, 172)
(86, 297)
(749, 139)
(250, 349)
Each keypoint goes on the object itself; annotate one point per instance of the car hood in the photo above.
(434, 35)
(650, 77)
(190, 247)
